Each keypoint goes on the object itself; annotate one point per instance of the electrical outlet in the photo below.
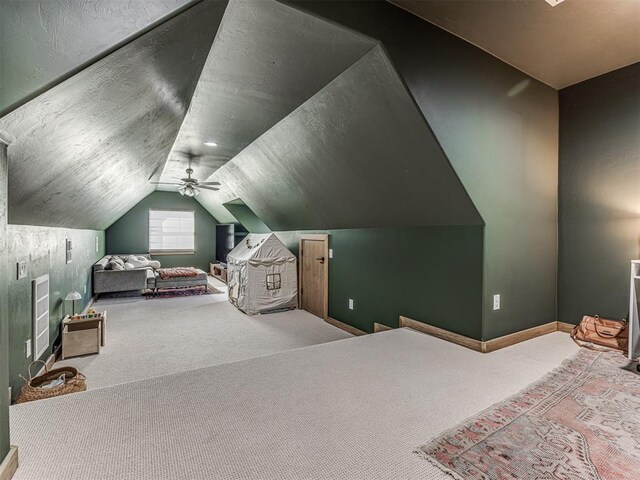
(351, 304)
(97, 244)
(27, 348)
(84, 288)
(331, 253)
(496, 302)
(22, 270)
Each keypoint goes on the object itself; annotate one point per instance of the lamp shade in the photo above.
(73, 296)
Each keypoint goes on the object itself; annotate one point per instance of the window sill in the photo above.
(172, 252)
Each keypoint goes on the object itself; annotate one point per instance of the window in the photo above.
(171, 231)
(274, 281)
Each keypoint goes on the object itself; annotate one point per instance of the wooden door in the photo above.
(314, 274)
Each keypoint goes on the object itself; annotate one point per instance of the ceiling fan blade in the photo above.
(185, 153)
(165, 183)
(189, 154)
(206, 187)
(209, 183)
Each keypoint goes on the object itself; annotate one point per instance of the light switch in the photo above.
(22, 269)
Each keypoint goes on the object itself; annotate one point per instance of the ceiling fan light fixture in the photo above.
(211, 144)
(553, 3)
(189, 191)
(188, 187)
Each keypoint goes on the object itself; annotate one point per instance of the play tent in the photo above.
(262, 275)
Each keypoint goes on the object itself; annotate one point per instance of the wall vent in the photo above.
(40, 316)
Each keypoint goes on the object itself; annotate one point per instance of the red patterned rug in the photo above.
(183, 292)
(579, 422)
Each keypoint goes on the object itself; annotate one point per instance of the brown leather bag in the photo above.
(612, 334)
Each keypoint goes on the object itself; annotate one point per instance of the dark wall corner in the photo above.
(599, 194)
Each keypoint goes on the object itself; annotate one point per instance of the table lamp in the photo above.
(73, 296)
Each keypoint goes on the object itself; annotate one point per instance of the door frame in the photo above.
(318, 237)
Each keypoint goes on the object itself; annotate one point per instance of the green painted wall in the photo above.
(499, 129)
(43, 248)
(130, 234)
(433, 274)
(4, 311)
(599, 194)
(246, 217)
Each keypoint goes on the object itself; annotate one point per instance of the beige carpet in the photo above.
(351, 409)
(148, 338)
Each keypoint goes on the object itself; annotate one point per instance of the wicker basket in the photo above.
(74, 382)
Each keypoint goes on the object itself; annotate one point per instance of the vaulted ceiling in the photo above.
(99, 98)
(44, 42)
(83, 151)
(362, 142)
(308, 116)
(267, 60)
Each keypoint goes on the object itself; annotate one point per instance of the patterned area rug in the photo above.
(184, 292)
(579, 422)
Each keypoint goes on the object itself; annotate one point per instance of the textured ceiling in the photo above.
(43, 40)
(360, 142)
(560, 46)
(309, 117)
(267, 60)
(84, 151)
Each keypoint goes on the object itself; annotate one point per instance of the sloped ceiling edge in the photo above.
(85, 150)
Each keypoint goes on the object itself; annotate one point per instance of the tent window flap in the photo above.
(274, 282)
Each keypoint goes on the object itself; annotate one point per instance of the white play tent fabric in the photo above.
(262, 275)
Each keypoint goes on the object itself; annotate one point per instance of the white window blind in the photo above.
(171, 231)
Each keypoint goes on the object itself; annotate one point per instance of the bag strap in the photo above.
(623, 321)
(46, 370)
(597, 323)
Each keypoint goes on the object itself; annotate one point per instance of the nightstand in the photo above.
(83, 336)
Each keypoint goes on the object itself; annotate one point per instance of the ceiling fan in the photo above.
(189, 186)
